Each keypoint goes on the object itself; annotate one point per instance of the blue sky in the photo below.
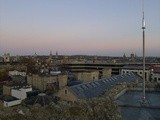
(92, 27)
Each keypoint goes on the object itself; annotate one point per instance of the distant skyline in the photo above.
(78, 27)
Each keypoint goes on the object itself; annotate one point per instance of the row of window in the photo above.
(140, 73)
(156, 79)
(134, 72)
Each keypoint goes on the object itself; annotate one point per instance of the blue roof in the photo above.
(96, 88)
(74, 82)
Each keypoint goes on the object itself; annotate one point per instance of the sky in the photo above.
(79, 27)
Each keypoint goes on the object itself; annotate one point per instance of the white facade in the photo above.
(15, 72)
(139, 72)
(156, 77)
(6, 57)
(55, 72)
(20, 93)
(11, 103)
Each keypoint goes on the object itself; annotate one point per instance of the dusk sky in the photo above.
(78, 27)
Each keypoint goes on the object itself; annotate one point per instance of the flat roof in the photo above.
(136, 67)
(131, 107)
(8, 98)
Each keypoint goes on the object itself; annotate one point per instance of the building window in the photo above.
(65, 91)
(124, 72)
(140, 72)
(145, 75)
(155, 79)
(159, 79)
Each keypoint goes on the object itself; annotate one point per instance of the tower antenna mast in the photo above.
(143, 28)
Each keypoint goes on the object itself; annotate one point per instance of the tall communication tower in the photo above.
(143, 28)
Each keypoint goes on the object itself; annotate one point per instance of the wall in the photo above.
(62, 79)
(1, 104)
(6, 90)
(11, 103)
(66, 94)
(20, 93)
(87, 76)
(120, 94)
(156, 77)
(106, 73)
(6, 57)
(40, 82)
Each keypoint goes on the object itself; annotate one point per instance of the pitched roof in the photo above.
(96, 88)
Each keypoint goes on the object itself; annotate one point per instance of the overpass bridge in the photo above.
(88, 67)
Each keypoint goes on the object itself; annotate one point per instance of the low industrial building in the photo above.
(138, 70)
(13, 95)
(8, 101)
(156, 76)
(96, 88)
